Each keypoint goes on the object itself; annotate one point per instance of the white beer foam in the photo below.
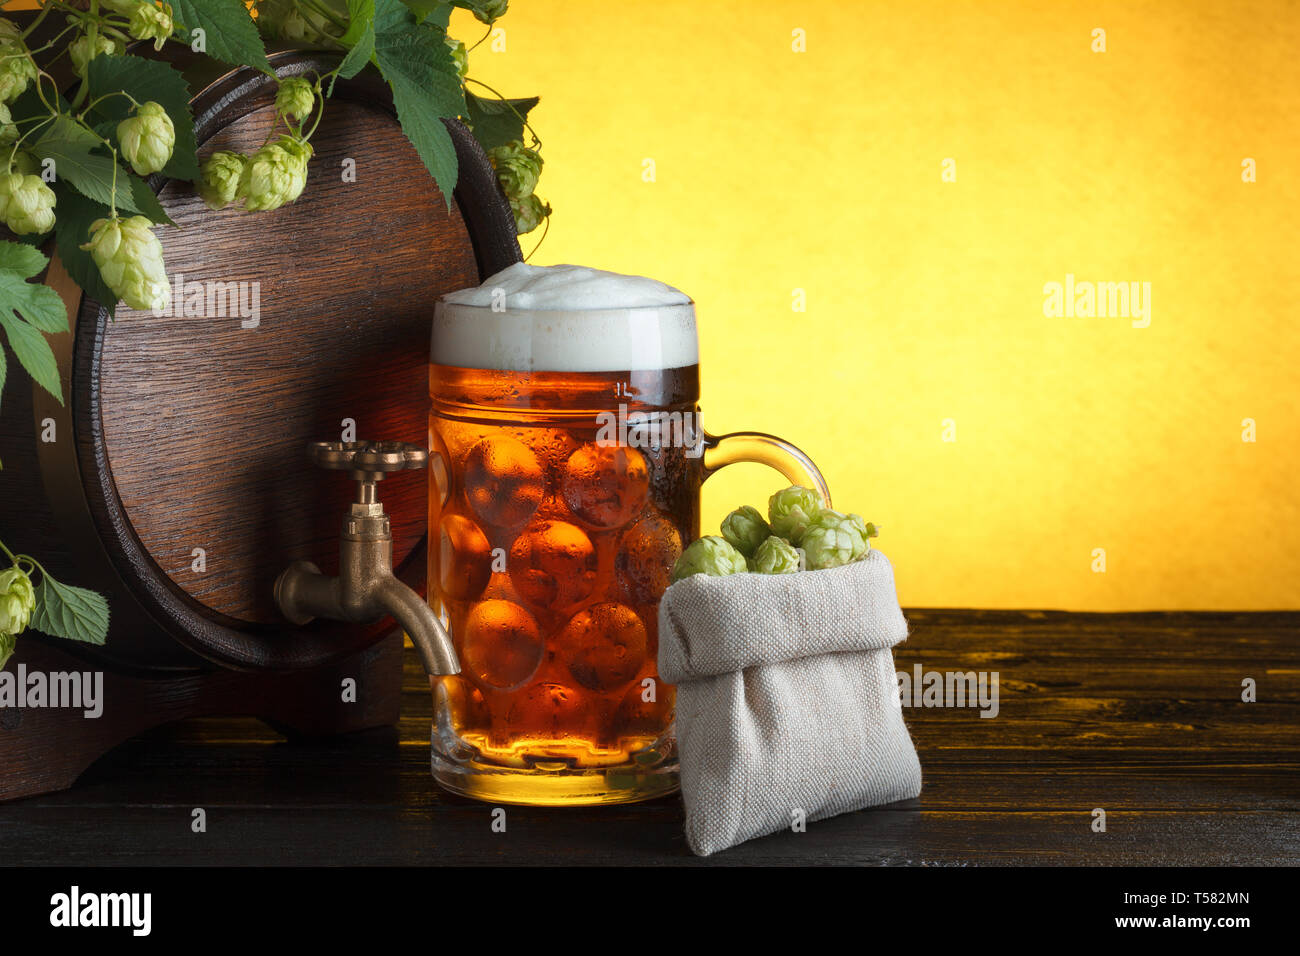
(565, 319)
(568, 289)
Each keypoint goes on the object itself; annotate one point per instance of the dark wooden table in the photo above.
(1138, 714)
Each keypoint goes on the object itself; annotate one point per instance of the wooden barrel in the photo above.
(177, 481)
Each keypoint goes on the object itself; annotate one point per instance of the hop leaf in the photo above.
(709, 555)
(296, 98)
(489, 11)
(791, 510)
(147, 138)
(143, 80)
(72, 613)
(27, 309)
(219, 178)
(26, 204)
(130, 259)
(745, 529)
(496, 122)
(230, 34)
(775, 556)
(418, 67)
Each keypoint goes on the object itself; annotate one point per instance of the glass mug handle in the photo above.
(763, 449)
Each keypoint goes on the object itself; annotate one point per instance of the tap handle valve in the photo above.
(368, 462)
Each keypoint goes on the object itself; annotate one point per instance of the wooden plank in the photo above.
(1184, 779)
(443, 834)
(376, 769)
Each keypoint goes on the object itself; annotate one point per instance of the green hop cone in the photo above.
(459, 55)
(295, 27)
(275, 174)
(775, 556)
(7, 644)
(296, 98)
(8, 131)
(17, 70)
(267, 178)
(81, 51)
(709, 555)
(745, 529)
(529, 213)
(130, 260)
(300, 152)
(791, 510)
(489, 11)
(26, 204)
(851, 525)
(25, 163)
(9, 31)
(831, 544)
(219, 178)
(17, 601)
(864, 528)
(518, 169)
(147, 138)
(151, 22)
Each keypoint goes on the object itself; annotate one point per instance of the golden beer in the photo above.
(566, 462)
(549, 551)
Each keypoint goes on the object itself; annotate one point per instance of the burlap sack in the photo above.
(787, 699)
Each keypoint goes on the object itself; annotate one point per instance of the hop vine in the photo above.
(75, 161)
(89, 131)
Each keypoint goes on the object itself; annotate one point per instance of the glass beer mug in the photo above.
(567, 459)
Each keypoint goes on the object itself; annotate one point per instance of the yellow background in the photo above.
(778, 170)
(821, 170)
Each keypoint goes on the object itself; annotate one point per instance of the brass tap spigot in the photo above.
(366, 588)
